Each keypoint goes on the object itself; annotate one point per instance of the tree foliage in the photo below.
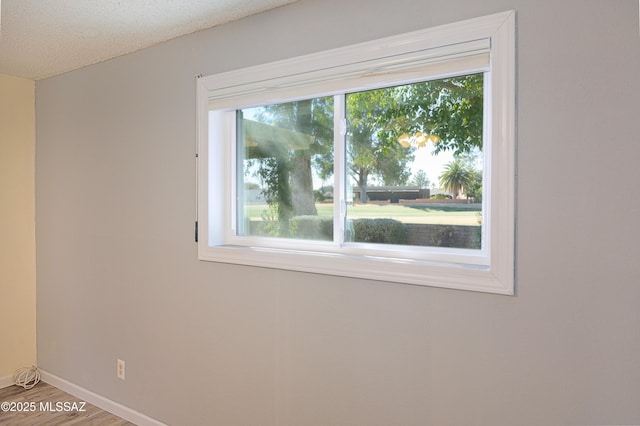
(450, 109)
(372, 148)
(421, 179)
(294, 194)
(456, 177)
(472, 160)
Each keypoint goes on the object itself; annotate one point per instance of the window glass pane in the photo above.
(414, 154)
(285, 170)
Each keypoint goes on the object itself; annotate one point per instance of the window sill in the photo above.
(414, 272)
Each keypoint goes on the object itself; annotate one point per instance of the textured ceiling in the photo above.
(42, 38)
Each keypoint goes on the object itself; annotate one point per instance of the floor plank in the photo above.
(47, 405)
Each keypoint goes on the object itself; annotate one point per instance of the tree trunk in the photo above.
(302, 197)
(284, 197)
(362, 184)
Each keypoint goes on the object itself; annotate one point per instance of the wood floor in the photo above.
(50, 406)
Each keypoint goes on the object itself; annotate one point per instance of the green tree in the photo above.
(313, 117)
(473, 159)
(448, 112)
(372, 148)
(456, 176)
(420, 179)
(274, 175)
(450, 109)
(474, 188)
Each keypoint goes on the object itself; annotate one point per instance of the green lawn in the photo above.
(444, 214)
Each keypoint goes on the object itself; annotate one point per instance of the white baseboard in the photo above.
(6, 382)
(99, 401)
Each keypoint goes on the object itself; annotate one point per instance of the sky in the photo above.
(431, 164)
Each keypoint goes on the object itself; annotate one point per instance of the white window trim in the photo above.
(452, 40)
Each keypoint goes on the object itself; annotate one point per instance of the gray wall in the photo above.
(206, 343)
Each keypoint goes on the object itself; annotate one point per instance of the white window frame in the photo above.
(485, 44)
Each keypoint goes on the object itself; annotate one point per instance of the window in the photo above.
(390, 160)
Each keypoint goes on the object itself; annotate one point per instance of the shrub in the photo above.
(440, 197)
(319, 196)
(384, 231)
(313, 227)
(444, 236)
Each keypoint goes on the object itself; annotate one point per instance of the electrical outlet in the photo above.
(120, 371)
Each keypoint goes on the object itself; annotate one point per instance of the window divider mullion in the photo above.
(339, 169)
